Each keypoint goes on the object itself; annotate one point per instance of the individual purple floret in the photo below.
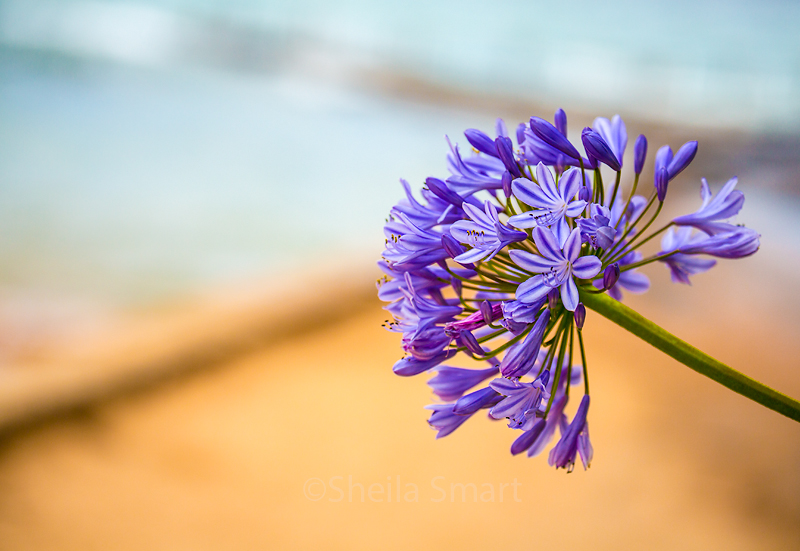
(528, 437)
(550, 135)
(630, 280)
(481, 141)
(597, 230)
(597, 149)
(484, 233)
(580, 316)
(521, 357)
(677, 163)
(573, 441)
(454, 249)
(409, 247)
(556, 267)
(682, 158)
(444, 420)
(410, 365)
(560, 120)
(480, 399)
(681, 266)
(726, 204)
(551, 202)
(434, 212)
(522, 400)
(610, 276)
(450, 383)
(614, 134)
(661, 183)
(506, 181)
(639, 154)
(737, 243)
(505, 152)
(474, 174)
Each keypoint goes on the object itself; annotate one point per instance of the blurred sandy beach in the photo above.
(303, 442)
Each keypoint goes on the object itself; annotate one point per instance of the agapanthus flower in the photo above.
(630, 280)
(450, 383)
(484, 233)
(680, 265)
(522, 400)
(597, 230)
(709, 218)
(614, 134)
(443, 420)
(597, 149)
(573, 441)
(495, 262)
(556, 267)
(551, 203)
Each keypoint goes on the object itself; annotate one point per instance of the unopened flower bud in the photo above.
(585, 194)
(597, 148)
(639, 153)
(505, 150)
(662, 180)
(480, 141)
(561, 122)
(472, 402)
(452, 247)
(506, 180)
(610, 276)
(682, 158)
(550, 135)
(580, 315)
(561, 163)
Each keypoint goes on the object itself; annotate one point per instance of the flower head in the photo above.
(499, 262)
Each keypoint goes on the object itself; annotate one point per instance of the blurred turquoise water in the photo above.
(154, 149)
(132, 186)
(733, 63)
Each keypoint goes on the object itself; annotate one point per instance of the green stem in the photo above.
(647, 261)
(689, 355)
(628, 202)
(614, 194)
(583, 362)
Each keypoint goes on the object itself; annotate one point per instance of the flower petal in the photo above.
(472, 255)
(547, 244)
(570, 183)
(569, 294)
(531, 262)
(586, 267)
(532, 290)
(572, 246)
(530, 193)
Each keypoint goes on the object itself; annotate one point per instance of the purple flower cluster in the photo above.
(490, 265)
